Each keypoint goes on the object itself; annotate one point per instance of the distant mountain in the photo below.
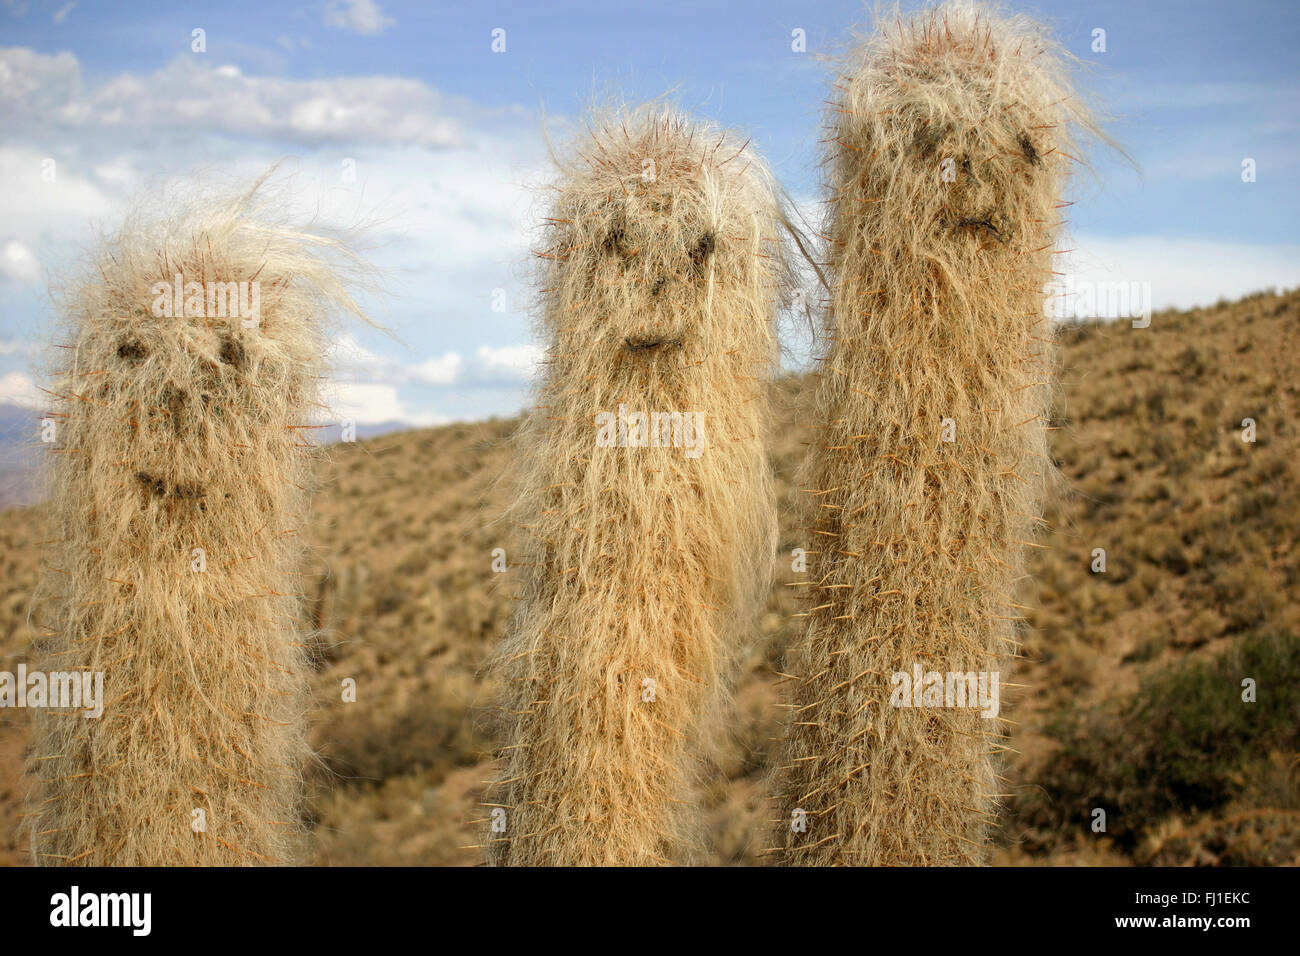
(17, 424)
(379, 428)
(20, 453)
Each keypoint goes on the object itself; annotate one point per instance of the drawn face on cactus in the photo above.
(938, 129)
(983, 174)
(176, 395)
(644, 260)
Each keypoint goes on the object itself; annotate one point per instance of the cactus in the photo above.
(928, 470)
(648, 542)
(179, 487)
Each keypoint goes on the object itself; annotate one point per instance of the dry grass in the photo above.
(401, 588)
(949, 146)
(176, 434)
(641, 567)
(1201, 539)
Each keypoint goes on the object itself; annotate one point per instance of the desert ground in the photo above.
(1129, 694)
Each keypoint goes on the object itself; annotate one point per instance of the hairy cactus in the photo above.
(179, 491)
(644, 492)
(926, 476)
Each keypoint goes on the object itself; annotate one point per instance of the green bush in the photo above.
(1180, 745)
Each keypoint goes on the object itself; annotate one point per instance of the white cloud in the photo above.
(519, 361)
(188, 94)
(61, 14)
(371, 404)
(50, 223)
(491, 365)
(353, 362)
(439, 371)
(440, 196)
(18, 263)
(32, 82)
(349, 357)
(19, 389)
(117, 172)
(1183, 273)
(18, 347)
(453, 221)
(359, 16)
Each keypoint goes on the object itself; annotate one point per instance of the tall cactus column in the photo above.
(927, 471)
(644, 492)
(180, 483)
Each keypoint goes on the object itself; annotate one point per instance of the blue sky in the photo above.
(446, 140)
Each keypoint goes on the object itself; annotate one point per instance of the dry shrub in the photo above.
(176, 434)
(918, 543)
(662, 274)
(1185, 743)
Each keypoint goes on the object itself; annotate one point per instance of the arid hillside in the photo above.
(1130, 689)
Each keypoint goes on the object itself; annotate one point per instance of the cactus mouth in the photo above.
(161, 488)
(645, 345)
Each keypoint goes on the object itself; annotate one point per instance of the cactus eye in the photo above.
(1027, 147)
(233, 353)
(926, 141)
(989, 224)
(702, 249)
(131, 351)
(187, 490)
(615, 241)
(154, 485)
